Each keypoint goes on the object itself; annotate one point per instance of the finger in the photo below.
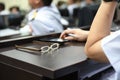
(64, 34)
(69, 38)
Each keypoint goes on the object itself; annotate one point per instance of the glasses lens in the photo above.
(55, 46)
(45, 49)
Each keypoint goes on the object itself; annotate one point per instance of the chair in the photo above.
(15, 20)
(3, 24)
(64, 12)
(86, 15)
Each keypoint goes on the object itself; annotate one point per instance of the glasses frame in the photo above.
(50, 48)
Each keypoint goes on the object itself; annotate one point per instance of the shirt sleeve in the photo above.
(111, 48)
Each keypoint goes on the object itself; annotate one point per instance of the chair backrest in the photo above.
(15, 20)
(3, 21)
(76, 12)
(86, 15)
(64, 12)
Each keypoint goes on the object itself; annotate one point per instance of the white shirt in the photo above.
(46, 21)
(111, 48)
(4, 12)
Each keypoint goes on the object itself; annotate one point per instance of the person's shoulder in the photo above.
(47, 11)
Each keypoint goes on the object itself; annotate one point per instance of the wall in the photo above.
(23, 4)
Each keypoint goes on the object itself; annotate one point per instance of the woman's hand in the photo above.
(79, 35)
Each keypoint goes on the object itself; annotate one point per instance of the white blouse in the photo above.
(111, 48)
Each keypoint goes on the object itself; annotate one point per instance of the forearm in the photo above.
(102, 23)
(100, 29)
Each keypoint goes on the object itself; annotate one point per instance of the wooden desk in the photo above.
(65, 61)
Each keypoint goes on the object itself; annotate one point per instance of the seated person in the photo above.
(14, 10)
(72, 4)
(102, 45)
(61, 5)
(2, 9)
(90, 2)
(43, 19)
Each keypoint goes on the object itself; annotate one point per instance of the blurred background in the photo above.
(23, 4)
(74, 13)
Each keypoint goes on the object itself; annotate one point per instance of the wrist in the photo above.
(86, 34)
(111, 1)
(112, 4)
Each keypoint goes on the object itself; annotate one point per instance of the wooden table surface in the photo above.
(64, 61)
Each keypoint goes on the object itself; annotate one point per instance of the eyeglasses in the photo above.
(44, 49)
(53, 47)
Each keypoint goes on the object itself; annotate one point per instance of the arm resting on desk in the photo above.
(99, 30)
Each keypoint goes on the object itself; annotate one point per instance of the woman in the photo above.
(101, 44)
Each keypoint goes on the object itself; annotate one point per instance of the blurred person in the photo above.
(61, 5)
(72, 4)
(85, 3)
(14, 10)
(90, 2)
(43, 19)
(2, 9)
